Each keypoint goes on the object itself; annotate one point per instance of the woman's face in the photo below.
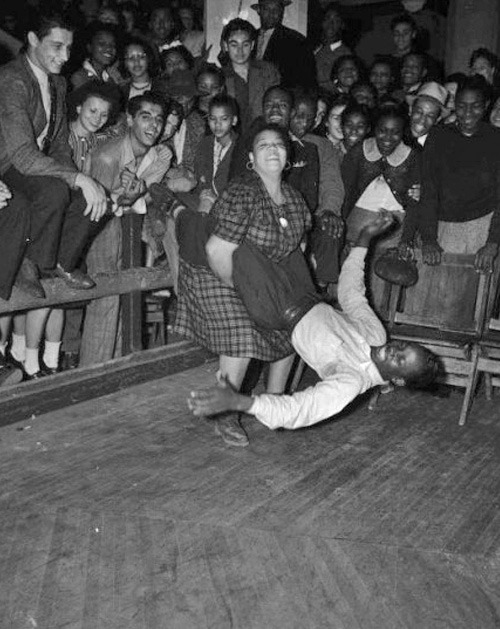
(172, 124)
(388, 134)
(495, 114)
(173, 61)
(186, 17)
(268, 154)
(102, 49)
(381, 77)
(108, 15)
(483, 67)
(93, 114)
(470, 107)
(136, 61)
(334, 122)
(208, 86)
(347, 74)
(355, 129)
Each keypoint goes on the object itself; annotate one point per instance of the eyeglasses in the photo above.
(138, 57)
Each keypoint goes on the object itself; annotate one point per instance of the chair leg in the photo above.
(297, 376)
(488, 385)
(471, 386)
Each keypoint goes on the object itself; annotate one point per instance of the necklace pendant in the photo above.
(283, 222)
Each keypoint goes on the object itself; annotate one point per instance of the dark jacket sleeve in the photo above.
(350, 169)
(429, 196)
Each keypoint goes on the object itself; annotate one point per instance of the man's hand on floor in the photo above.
(218, 399)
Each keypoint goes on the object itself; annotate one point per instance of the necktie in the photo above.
(52, 117)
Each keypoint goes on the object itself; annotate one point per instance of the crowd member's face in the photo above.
(208, 86)
(93, 114)
(332, 26)
(388, 134)
(136, 61)
(52, 51)
(147, 124)
(268, 154)
(172, 61)
(381, 77)
(399, 360)
(403, 36)
(348, 74)
(334, 122)
(161, 24)
(108, 16)
(186, 101)
(321, 108)
(355, 129)
(239, 47)
(495, 114)
(187, 19)
(277, 108)
(102, 49)
(424, 115)
(221, 121)
(470, 107)
(364, 96)
(412, 71)
(302, 119)
(271, 13)
(172, 124)
(483, 67)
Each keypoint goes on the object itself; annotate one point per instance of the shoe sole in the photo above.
(231, 440)
(14, 377)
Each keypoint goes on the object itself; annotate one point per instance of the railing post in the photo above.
(132, 302)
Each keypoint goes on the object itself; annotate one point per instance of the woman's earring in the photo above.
(249, 165)
(288, 165)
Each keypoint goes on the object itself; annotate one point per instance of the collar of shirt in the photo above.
(335, 45)
(172, 44)
(396, 158)
(294, 138)
(91, 71)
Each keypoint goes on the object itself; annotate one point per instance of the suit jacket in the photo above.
(325, 59)
(23, 118)
(292, 55)
(195, 131)
(261, 76)
(331, 186)
(204, 165)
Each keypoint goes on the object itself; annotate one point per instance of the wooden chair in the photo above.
(446, 312)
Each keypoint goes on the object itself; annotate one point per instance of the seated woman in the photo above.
(459, 211)
(263, 210)
(139, 68)
(102, 49)
(380, 172)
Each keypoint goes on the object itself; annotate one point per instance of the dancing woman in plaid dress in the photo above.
(261, 209)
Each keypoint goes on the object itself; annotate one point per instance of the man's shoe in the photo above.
(48, 371)
(75, 279)
(28, 279)
(229, 427)
(69, 360)
(34, 376)
(8, 373)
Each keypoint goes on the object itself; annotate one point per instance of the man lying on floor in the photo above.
(348, 349)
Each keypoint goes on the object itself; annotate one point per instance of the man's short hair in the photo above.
(105, 91)
(279, 88)
(302, 97)
(431, 370)
(154, 98)
(403, 18)
(41, 23)
(225, 101)
(239, 25)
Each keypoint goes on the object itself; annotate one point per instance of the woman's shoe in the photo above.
(228, 426)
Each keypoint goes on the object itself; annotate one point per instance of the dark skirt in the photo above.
(211, 314)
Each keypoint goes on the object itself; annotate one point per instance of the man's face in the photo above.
(403, 36)
(102, 49)
(239, 47)
(161, 24)
(332, 27)
(381, 77)
(399, 360)
(277, 108)
(302, 119)
(221, 121)
(470, 108)
(412, 71)
(147, 124)
(52, 51)
(424, 115)
(271, 13)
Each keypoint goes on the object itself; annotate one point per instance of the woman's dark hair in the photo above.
(341, 60)
(475, 83)
(211, 68)
(398, 112)
(223, 100)
(484, 53)
(342, 100)
(355, 109)
(102, 27)
(238, 25)
(180, 50)
(106, 91)
(263, 126)
(403, 18)
(153, 67)
(366, 85)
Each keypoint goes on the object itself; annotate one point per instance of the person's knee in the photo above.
(55, 194)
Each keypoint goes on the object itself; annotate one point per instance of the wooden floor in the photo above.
(125, 512)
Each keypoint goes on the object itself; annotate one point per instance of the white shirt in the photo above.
(337, 345)
(262, 42)
(179, 141)
(43, 81)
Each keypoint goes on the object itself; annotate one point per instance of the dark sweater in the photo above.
(460, 179)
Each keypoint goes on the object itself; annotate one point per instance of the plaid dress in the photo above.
(211, 313)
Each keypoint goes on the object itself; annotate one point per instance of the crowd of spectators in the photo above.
(120, 112)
